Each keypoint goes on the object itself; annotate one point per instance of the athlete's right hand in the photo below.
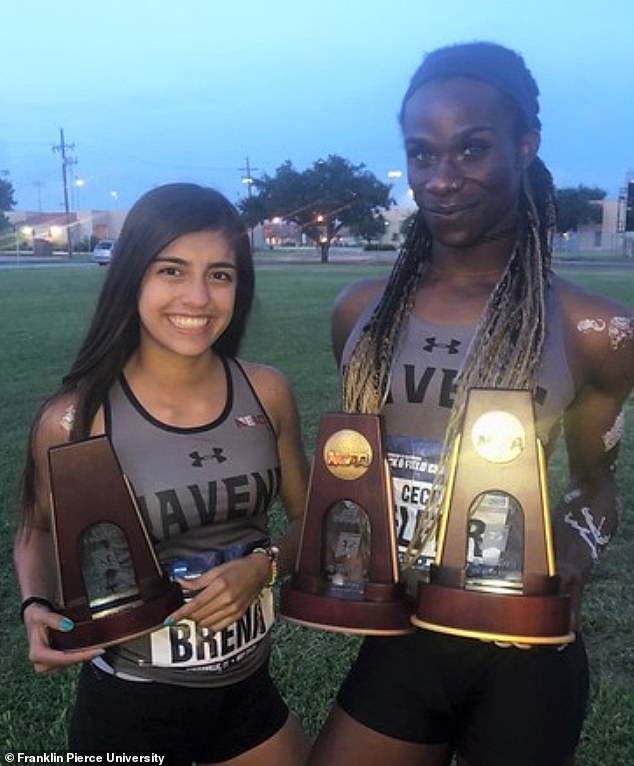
(39, 621)
(224, 593)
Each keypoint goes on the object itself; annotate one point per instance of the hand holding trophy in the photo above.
(110, 581)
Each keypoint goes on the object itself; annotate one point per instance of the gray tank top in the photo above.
(422, 387)
(204, 493)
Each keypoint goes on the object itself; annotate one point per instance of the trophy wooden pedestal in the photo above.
(498, 459)
(346, 577)
(110, 582)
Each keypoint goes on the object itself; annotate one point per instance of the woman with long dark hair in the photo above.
(472, 301)
(208, 441)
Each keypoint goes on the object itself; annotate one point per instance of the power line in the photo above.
(248, 178)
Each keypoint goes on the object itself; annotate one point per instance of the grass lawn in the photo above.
(43, 314)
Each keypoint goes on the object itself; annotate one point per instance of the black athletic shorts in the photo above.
(495, 706)
(183, 723)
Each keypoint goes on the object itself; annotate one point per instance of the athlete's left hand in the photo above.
(574, 562)
(224, 592)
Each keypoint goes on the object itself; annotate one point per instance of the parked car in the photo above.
(102, 252)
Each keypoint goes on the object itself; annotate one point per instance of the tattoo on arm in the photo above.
(589, 531)
(614, 435)
(572, 495)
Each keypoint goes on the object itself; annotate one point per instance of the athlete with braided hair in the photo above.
(472, 301)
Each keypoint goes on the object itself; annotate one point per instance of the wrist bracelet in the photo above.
(272, 553)
(34, 600)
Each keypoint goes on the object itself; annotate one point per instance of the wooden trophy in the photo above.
(110, 582)
(494, 575)
(346, 576)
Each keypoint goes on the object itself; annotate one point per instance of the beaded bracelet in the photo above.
(34, 600)
(272, 553)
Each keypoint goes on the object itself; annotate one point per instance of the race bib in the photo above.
(413, 465)
(495, 521)
(189, 645)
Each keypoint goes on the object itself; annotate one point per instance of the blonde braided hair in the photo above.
(507, 343)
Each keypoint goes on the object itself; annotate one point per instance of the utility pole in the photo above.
(248, 180)
(66, 161)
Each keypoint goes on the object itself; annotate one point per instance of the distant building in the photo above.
(49, 230)
(396, 217)
(602, 239)
(277, 232)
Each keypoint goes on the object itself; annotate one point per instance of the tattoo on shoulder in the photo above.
(620, 331)
(591, 325)
(68, 418)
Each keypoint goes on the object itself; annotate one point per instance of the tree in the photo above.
(408, 222)
(7, 201)
(252, 210)
(578, 206)
(322, 199)
(370, 227)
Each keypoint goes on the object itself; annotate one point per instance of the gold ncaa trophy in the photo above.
(110, 582)
(346, 576)
(494, 575)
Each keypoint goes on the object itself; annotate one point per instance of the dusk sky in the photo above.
(150, 91)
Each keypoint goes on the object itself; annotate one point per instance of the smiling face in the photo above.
(464, 159)
(187, 295)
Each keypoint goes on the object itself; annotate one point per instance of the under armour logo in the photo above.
(452, 347)
(198, 459)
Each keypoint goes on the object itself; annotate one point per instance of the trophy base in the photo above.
(118, 626)
(535, 620)
(366, 618)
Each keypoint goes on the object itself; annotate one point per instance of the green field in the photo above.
(42, 315)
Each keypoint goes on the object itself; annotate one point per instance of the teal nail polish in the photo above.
(65, 624)
(168, 621)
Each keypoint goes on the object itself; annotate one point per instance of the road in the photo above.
(347, 255)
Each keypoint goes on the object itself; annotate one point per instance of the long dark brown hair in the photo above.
(159, 217)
